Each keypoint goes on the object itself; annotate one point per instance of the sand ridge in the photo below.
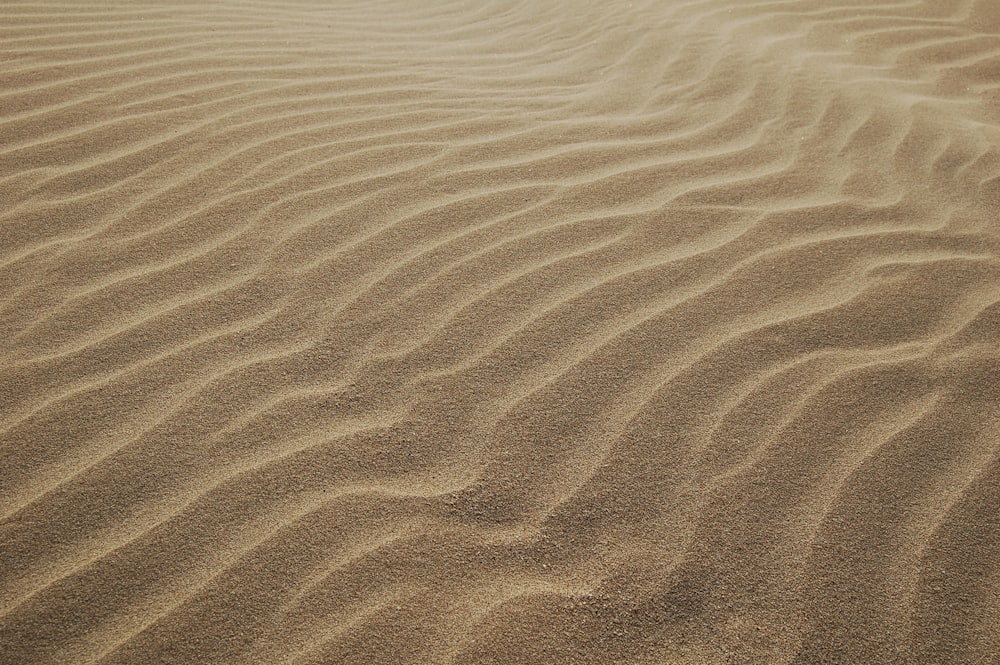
(500, 332)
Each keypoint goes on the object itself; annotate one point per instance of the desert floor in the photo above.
(551, 331)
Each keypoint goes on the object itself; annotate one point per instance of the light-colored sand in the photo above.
(568, 331)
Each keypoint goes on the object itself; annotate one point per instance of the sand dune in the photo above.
(500, 332)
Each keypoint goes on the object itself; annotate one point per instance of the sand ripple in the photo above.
(500, 332)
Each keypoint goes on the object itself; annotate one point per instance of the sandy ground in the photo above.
(551, 331)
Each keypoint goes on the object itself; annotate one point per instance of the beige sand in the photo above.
(558, 331)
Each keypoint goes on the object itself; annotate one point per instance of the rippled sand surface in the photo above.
(562, 331)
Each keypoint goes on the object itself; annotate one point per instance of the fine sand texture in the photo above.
(499, 331)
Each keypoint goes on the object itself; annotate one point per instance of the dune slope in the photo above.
(500, 332)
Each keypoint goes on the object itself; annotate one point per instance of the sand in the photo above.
(565, 331)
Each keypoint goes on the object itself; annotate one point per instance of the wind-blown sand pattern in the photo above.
(500, 332)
